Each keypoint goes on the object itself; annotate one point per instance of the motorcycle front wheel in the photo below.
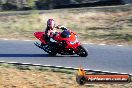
(81, 51)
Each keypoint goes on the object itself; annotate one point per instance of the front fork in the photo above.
(75, 47)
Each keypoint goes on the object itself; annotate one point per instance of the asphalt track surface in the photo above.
(106, 58)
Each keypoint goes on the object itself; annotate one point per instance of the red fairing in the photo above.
(72, 42)
(39, 35)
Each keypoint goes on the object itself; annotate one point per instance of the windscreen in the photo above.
(65, 34)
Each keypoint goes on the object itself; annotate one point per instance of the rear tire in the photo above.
(52, 51)
(82, 51)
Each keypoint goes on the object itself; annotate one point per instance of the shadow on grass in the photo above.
(32, 55)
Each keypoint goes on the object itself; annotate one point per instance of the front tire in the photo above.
(82, 51)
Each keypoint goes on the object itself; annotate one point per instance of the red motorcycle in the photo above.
(64, 43)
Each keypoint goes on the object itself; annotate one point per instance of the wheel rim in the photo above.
(82, 52)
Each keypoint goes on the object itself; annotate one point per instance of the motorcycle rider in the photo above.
(50, 30)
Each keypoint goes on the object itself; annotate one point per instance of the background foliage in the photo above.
(52, 4)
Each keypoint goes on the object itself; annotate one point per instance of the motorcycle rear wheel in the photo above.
(50, 50)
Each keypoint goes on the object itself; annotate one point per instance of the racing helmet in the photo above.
(50, 23)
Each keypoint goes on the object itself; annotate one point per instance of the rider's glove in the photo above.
(61, 27)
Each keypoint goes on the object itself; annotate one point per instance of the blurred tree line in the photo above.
(49, 4)
(17, 4)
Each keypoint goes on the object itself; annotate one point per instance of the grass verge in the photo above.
(98, 24)
(27, 76)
